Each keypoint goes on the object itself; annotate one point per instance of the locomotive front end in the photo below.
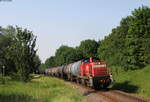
(101, 76)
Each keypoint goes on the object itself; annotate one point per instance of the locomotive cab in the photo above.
(93, 67)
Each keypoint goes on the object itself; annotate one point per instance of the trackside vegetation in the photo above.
(43, 89)
(132, 81)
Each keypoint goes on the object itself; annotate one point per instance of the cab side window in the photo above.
(86, 60)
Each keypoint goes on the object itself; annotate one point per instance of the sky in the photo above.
(66, 22)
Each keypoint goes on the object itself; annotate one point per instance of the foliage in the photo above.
(113, 46)
(37, 63)
(22, 52)
(138, 38)
(50, 62)
(5, 41)
(65, 55)
(44, 89)
(42, 66)
(129, 44)
(88, 48)
(134, 81)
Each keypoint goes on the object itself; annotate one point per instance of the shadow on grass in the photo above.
(16, 98)
(126, 87)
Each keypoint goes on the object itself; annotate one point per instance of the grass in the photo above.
(44, 89)
(135, 81)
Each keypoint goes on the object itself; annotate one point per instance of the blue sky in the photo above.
(66, 22)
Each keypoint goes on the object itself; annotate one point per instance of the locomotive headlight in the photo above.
(87, 67)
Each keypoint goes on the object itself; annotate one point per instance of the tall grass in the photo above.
(44, 89)
(133, 81)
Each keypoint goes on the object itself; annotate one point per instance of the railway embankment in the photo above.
(132, 81)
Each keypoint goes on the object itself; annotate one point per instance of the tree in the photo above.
(5, 41)
(22, 52)
(64, 55)
(50, 62)
(37, 63)
(42, 66)
(138, 38)
(113, 48)
(88, 48)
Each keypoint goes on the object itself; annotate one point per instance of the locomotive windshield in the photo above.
(96, 59)
(86, 60)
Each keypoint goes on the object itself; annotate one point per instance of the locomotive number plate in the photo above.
(99, 65)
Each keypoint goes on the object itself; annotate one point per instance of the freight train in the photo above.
(89, 71)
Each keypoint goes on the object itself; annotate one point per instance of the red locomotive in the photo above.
(90, 72)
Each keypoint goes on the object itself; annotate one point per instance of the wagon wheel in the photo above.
(77, 81)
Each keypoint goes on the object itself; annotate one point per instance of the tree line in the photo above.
(65, 54)
(128, 45)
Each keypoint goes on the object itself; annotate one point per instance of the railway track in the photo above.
(106, 95)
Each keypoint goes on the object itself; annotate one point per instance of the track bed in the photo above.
(107, 95)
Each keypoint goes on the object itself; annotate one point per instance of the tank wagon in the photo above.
(90, 72)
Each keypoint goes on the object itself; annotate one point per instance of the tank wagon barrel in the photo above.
(60, 71)
(75, 68)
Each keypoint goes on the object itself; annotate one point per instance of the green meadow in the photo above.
(43, 89)
(133, 81)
